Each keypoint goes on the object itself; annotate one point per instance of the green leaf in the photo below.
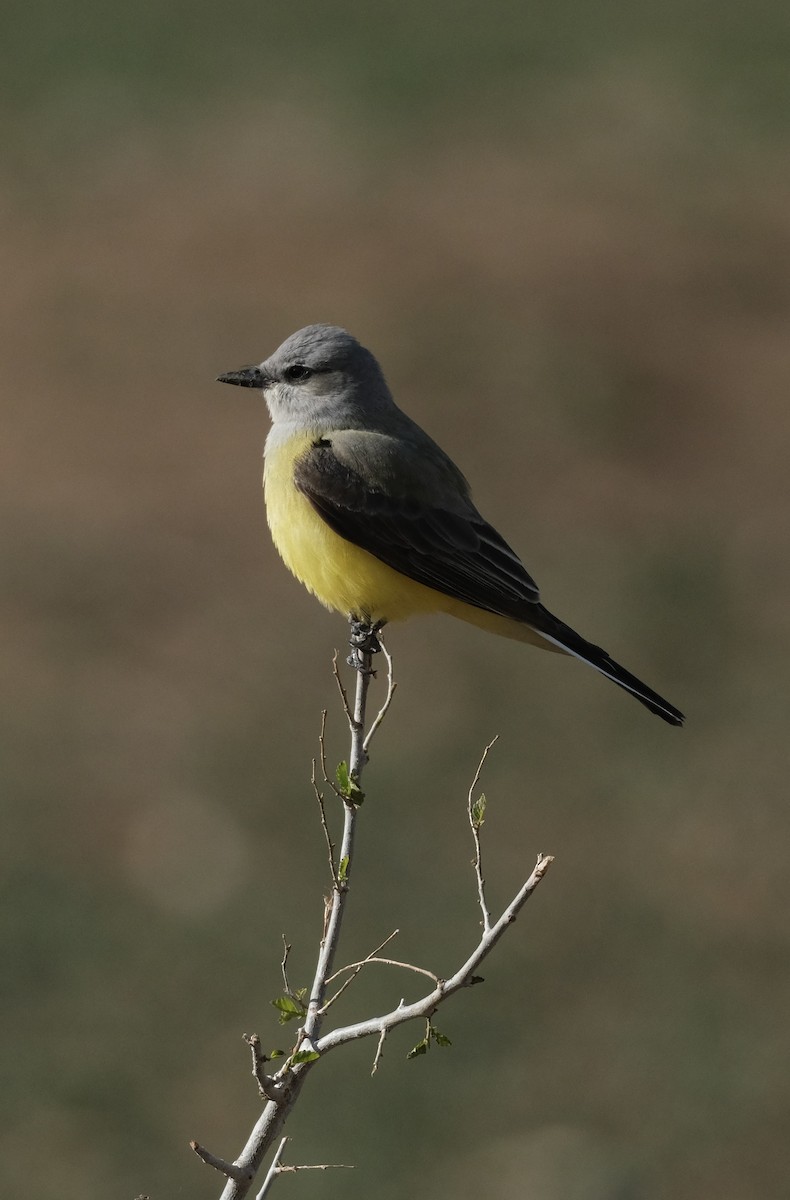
(288, 1008)
(420, 1048)
(348, 787)
(275, 1054)
(479, 811)
(305, 1056)
(289, 1005)
(441, 1039)
(342, 870)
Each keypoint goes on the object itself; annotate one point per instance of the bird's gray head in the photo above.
(319, 377)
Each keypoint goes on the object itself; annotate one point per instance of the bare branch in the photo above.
(282, 1089)
(475, 810)
(230, 1170)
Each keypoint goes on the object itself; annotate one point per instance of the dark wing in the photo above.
(446, 546)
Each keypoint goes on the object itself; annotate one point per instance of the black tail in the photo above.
(567, 639)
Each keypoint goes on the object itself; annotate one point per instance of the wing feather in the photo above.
(442, 543)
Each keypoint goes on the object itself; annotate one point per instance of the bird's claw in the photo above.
(363, 642)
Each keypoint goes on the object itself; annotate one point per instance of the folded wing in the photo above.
(447, 545)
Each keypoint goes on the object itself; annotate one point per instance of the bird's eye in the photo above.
(297, 373)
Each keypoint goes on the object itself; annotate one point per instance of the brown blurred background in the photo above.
(565, 231)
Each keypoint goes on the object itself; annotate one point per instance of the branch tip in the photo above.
(543, 864)
(229, 1170)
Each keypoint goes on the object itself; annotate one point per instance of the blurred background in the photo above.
(565, 231)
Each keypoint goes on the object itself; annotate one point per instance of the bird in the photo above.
(372, 516)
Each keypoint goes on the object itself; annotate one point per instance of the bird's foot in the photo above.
(363, 643)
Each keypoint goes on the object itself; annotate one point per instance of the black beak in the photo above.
(247, 377)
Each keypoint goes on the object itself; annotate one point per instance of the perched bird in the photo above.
(375, 519)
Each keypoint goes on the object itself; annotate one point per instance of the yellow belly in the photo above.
(341, 575)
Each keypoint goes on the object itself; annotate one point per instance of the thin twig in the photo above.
(384, 962)
(377, 1057)
(284, 966)
(475, 824)
(319, 795)
(341, 689)
(358, 966)
(324, 769)
(389, 962)
(380, 946)
(391, 686)
(288, 1169)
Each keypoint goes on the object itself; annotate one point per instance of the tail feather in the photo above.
(565, 638)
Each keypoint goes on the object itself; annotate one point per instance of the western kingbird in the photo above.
(375, 519)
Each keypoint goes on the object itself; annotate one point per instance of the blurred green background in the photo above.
(565, 231)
